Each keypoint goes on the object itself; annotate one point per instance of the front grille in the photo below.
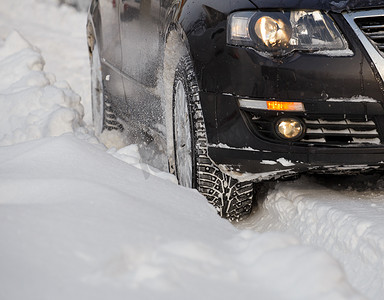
(373, 28)
(369, 28)
(335, 130)
(341, 132)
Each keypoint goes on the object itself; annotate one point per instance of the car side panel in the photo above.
(109, 36)
(141, 61)
(139, 25)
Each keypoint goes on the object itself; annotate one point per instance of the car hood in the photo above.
(326, 5)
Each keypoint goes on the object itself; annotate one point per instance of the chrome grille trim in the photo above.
(376, 56)
(376, 27)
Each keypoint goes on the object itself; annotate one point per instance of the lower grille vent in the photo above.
(335, 130)
(373, 28)
(341, 132)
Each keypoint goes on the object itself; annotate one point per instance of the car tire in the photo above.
(102, 111)
(193, 168)
(97, 91)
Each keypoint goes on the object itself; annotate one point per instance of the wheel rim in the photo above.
(97, 92)
(183, 141)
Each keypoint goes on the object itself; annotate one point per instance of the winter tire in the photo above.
(231, 198)
(97, 91)
(102, 112)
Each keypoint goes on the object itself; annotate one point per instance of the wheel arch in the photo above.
(198, 23)
(93, 26)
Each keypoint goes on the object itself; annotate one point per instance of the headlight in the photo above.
(280, 33)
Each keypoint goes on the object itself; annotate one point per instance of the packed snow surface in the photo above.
(346, 223)
(81, 219)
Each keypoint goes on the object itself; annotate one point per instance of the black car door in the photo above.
(107, 21)
(139, 21)
(140, 44)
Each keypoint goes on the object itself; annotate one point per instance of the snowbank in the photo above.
(59, 33)
(81, 5)
(32, 104)
(76, 223)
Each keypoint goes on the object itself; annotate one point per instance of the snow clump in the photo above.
(32, 104)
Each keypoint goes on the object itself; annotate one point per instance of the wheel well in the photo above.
(91, 39)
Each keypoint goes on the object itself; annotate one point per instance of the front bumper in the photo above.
(241, 152)
(246, 164)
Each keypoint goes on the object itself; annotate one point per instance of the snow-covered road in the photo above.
(81, 221)
(346, 219)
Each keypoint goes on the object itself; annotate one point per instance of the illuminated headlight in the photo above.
(290, 128)
(280, 33)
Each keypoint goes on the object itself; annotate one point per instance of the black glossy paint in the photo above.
(132, 35)
(325, 5)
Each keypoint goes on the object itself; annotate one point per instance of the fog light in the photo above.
(289, 128)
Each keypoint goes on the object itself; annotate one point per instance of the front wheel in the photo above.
(231, 198)
(102, 111)
(97, 92)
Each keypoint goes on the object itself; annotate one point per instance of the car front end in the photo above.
(293, 89)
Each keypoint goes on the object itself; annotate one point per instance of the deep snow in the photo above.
(81, 221)
(76, 223)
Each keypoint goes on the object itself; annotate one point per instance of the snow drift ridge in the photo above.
(32, 104)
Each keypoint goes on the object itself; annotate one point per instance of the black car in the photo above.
(234, 92)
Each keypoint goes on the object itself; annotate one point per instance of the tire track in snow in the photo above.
(347, 224)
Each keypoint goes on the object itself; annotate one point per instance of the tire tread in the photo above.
(231, 198)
